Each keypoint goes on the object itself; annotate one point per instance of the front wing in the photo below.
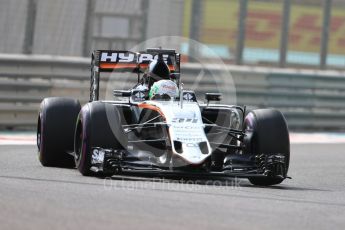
(122, 161)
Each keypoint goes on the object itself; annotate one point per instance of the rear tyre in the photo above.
(55, 131)
(267, 133)
(99, 125)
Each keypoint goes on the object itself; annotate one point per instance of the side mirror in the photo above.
(122, 93)
(213, 97)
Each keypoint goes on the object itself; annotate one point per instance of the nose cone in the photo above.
(192, 153)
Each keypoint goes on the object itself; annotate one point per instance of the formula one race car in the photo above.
(159, 127)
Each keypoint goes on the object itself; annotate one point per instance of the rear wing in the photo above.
(127, 61)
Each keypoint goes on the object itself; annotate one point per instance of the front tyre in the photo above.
(55, 131)
(99, 125)
(267, 134)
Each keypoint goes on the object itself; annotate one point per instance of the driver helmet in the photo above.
(163, 89)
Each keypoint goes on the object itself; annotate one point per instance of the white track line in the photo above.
(17, 139)
(317, 138)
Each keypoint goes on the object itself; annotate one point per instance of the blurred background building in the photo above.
(295, 33)
(286, 54)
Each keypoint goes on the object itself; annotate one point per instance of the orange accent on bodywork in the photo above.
(151, 107)
(117, 65)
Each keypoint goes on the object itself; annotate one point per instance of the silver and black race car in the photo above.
(164, 133)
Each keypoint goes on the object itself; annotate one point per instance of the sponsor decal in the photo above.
(188, 139)
(139, 96)
(263, 28)
(188, 96)
(117, 57)
(169, 87)
(192, 145)
(184, 120)
(188, 127)
(128, 57)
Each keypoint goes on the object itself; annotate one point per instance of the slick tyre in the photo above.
(55, 131)
(99, 125)
(268, 134)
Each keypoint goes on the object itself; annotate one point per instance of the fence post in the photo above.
(284, 39)
(30, 27)
(145, 5)
(88, 26)
(195, 24)
(325, 33)
(241, 36)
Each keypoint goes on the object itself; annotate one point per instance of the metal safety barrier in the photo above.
(310, 100)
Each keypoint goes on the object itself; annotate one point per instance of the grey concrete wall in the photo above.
(165, 18)
(60, 25)
(12, 25)
(59, 28)
(108, 32)
(118, 6)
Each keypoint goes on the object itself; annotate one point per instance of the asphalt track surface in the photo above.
(34, 197)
